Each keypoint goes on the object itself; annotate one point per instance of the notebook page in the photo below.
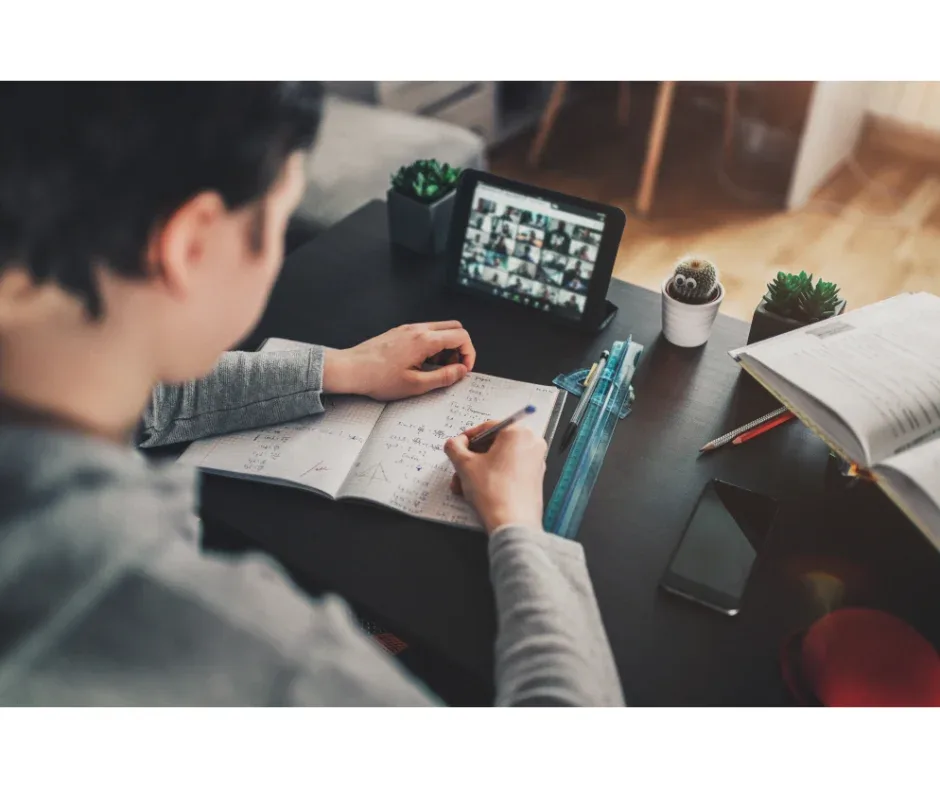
(316, 452)
(877, 367)
(403, 464)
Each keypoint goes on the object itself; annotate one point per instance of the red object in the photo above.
(761, 429)
(859, 657)
(392, 644)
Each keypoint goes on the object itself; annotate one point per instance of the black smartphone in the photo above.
(720, 546)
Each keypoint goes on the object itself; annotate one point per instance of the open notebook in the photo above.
(868, 383)
(386, 453)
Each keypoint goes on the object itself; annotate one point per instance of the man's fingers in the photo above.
(442, 377)
(472, 432)
(450, 339)
(457, 449)
(441, 325)
(446, 339)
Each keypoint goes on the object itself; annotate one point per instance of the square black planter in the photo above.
(417, 226)
(766, 324)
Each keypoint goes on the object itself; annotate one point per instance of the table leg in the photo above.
(731, 112)
(654, 146)
(623, 104)
(547, 121)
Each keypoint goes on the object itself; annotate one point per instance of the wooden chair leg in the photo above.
(654, 146)
(623, 104)
(547, 122)
(731, 114)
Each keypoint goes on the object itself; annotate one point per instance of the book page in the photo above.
(403, 464)
(912, 479)
(819, 417)
(877, 367)
(315, 452)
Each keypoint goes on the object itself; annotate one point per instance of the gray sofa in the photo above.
(360, 145)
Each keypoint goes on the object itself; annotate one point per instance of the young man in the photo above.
(141, 231)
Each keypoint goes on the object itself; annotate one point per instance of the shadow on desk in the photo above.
(454, 685)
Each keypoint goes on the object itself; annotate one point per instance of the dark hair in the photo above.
(87, 171)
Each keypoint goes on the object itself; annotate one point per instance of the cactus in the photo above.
(695, 281)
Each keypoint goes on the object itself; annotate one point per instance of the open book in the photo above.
(868, 383)
(386, 453)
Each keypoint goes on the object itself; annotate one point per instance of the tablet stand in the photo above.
(610, 312)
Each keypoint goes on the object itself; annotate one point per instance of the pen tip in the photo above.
(530, 408)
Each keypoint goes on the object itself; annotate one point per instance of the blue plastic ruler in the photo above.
(586, 455)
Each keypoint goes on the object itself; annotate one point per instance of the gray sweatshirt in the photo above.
(106, 599)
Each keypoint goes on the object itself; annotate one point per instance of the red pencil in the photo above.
(760, 430)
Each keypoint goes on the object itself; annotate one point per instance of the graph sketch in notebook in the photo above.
(403, 464)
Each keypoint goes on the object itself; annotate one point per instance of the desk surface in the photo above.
(431, 581)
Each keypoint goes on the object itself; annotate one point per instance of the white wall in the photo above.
(833, 123)
(913, 103)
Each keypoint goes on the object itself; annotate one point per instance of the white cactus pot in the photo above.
(689, 325)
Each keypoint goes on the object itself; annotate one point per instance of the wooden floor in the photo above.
(874, 229)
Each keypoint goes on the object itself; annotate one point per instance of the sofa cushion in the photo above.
(360, 146)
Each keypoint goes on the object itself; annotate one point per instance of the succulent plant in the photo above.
(820, 302)
(426, 180)
(695, 281)
(796, 297)
(783, 293)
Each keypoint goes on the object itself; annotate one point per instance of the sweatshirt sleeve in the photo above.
(244, 391)
(551, 647)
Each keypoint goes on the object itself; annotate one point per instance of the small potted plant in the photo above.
(692, 294)
(420, 204)
(792, 301)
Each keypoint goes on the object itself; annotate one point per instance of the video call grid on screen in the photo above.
(530, 250)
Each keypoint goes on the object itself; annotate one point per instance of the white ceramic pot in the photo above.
(689, 325)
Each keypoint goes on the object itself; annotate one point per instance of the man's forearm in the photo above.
(245, 390)
(551, 648)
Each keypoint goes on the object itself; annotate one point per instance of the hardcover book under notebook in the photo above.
(385, 453)
(868, 383)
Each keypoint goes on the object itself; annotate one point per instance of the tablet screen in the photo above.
(529, 250)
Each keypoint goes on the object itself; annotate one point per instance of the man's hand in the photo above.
(504, 484)
(388, 366)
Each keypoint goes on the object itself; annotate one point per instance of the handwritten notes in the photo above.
(403, 464)
(391, 454)
(316, 452)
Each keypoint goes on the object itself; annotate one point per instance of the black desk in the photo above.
(431, 582)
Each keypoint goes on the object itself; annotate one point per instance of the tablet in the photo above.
(541, 250)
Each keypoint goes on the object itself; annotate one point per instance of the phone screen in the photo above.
(720, 545)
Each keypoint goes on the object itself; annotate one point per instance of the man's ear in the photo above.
(179, 245)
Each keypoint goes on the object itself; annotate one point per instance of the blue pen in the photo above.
(485, 439)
